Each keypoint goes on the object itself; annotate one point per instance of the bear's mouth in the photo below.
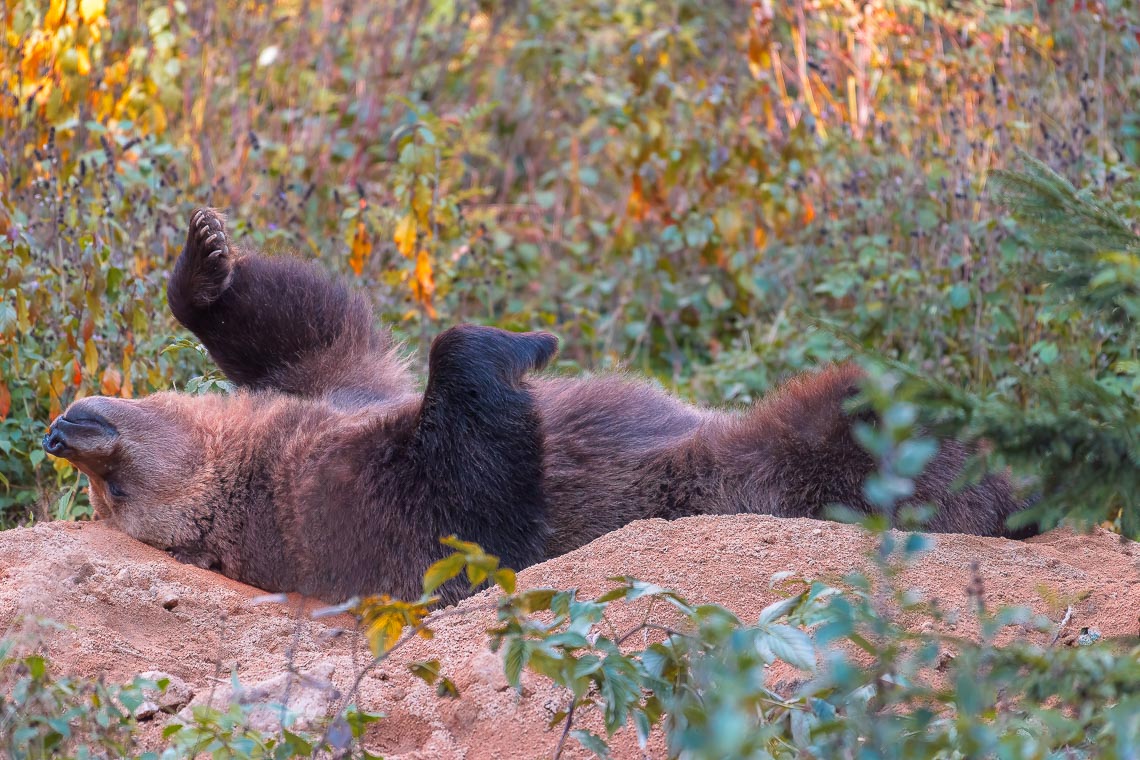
(79, 433)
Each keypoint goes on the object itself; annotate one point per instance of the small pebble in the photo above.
(817, 532)
(168, 600)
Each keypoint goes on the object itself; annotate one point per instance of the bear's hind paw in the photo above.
(209, 255)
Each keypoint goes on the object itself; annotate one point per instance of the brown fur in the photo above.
(327, 473)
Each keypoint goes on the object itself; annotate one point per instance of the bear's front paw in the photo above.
(208, 256)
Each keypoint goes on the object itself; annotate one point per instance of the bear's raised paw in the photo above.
(207, 256)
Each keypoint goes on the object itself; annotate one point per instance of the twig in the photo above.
(218, 661)
(566, 728)
(1061, 626)
(291, 655)
(351, 693)
(650, 626)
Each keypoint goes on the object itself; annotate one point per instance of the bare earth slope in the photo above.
(128, 609)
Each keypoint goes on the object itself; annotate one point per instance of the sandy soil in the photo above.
(127, 609)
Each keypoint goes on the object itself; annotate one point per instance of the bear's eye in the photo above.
(115, 490)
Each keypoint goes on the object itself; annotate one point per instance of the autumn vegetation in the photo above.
(715, 194)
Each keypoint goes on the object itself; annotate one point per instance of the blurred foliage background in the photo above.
(677, 186)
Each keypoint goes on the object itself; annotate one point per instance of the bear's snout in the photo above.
(78, 432)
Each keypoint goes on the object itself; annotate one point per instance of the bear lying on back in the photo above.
(326, 473)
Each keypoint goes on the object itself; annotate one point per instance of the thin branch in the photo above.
(648, 626)
(1061, 626)
(413, 633)
(566, 728)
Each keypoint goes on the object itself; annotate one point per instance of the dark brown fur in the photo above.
(326, 473)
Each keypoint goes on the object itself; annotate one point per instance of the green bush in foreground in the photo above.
(701, 680)
(668, 183)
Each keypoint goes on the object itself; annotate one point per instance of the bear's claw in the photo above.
(208, 254)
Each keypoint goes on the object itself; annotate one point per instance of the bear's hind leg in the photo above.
(278, 323)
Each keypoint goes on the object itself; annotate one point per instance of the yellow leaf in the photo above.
(505, 579)
(384, 633)
(157, 119)
(361, 248)
(442, 571)
(90, 358)
(759, 40)
(91, 10)
(54, 16)
(82, 63)
(61, 466)
(405, 237)
(729, 224)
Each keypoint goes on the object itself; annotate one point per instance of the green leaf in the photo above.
(1046, 351)
(791, 645)
(296, 744)
(592, 742)
(657, 659)
(779, 609)
(36, 666)
(641, 723)
(514, 660)
(959, 296)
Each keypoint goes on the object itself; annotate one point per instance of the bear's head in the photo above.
(146, 461)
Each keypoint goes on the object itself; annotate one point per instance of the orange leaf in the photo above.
(5, 401)
(361, 248)
(76, 373)
(636, 207)
(759, 237)
(112, 382)
(424, 284)
(809, 211)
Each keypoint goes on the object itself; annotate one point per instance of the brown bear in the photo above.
(326, 473)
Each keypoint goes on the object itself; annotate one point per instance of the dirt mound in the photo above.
(128, 609)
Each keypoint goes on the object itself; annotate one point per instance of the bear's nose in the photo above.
(54, 442)
(78, 431)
